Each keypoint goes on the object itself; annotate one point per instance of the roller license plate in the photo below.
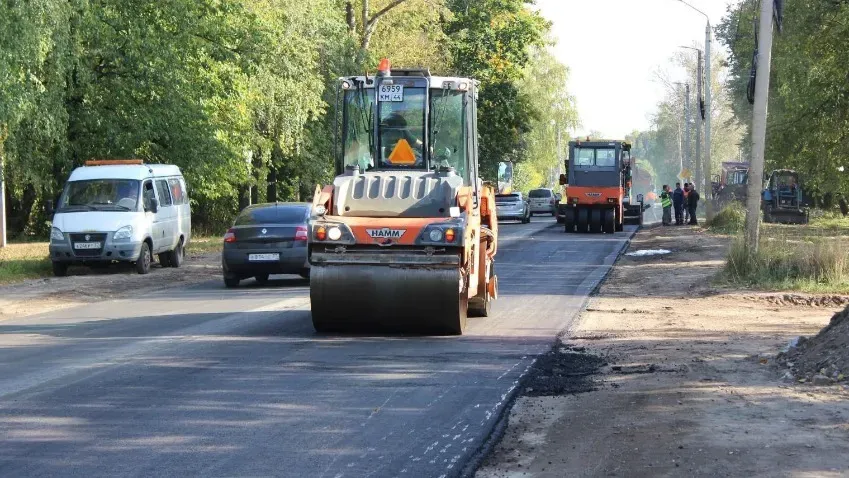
(87, 245)
(392, 93)
(263, 257)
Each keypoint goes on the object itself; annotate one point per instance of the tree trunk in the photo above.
(257, 178)
(272, 184)
(349, 17)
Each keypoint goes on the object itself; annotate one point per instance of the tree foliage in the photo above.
(808, 119)
(556, 114)
(492, 41)
(240, 93)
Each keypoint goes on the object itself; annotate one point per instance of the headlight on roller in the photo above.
(435, 235)
(334, 234)
(56, 235)
(123, 234)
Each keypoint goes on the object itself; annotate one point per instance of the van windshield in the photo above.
(100, 195)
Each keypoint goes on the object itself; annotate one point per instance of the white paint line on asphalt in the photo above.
(102, 361)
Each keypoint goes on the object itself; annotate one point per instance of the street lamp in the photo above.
(707, 190)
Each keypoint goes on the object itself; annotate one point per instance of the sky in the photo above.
(614, 48)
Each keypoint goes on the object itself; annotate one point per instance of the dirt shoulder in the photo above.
(666, 374)
(84, 285)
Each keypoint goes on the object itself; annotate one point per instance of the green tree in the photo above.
(544, 83)
(808, 100)
(491, 41)
(34, 60)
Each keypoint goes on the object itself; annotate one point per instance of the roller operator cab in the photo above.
(404, 238)
(598, 188)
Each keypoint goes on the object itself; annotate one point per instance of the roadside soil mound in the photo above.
(564, 370)
(823, 358)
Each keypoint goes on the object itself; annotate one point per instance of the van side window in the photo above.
(185, 191)
(148, 195)
(163, 192)
(177, 192)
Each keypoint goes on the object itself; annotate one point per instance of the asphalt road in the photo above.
(204, 381)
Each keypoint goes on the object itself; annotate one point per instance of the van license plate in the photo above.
(263, 257)
(87, 245)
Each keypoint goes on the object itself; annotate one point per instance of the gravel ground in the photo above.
(686, 381)
(85, 285)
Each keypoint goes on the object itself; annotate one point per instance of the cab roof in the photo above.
(436, 82)
(124, 171)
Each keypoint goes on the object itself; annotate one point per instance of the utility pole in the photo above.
(707, 192)
(756, 168)
(708, 188)
(699, 166)
(687, 125)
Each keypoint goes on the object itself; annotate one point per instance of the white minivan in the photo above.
(121, 210)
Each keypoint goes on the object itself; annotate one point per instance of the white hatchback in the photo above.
(542, 201)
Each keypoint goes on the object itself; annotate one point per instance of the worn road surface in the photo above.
(205, 381)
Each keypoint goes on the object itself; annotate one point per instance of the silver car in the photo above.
(512, 206)
(542, 201)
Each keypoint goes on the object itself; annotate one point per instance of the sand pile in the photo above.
(824, 358)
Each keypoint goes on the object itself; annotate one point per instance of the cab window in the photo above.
(584, 157)
(163, 193)
(148, 195)
(177, 193)
(449, 132)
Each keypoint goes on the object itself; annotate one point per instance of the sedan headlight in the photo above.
(56, 235)
(123, 234)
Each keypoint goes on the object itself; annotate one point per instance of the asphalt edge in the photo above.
(503, 414)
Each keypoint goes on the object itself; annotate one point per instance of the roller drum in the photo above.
(406, 299)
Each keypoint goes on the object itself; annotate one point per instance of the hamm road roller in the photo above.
(404, 239)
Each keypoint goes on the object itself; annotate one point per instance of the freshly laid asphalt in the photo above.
(208, 381)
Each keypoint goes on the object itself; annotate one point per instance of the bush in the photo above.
(818, 264)
(730, 220)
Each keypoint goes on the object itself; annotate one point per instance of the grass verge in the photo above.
(813, 264)
(730, 220)
(24, 261)
(29, 260)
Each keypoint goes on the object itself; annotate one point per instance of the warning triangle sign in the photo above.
(402, 154)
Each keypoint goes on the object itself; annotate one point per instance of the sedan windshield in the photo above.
(101, 194)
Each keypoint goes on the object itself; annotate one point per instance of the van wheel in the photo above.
(305, 273)
(144, 260)
(178, 254)
(60, 269)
